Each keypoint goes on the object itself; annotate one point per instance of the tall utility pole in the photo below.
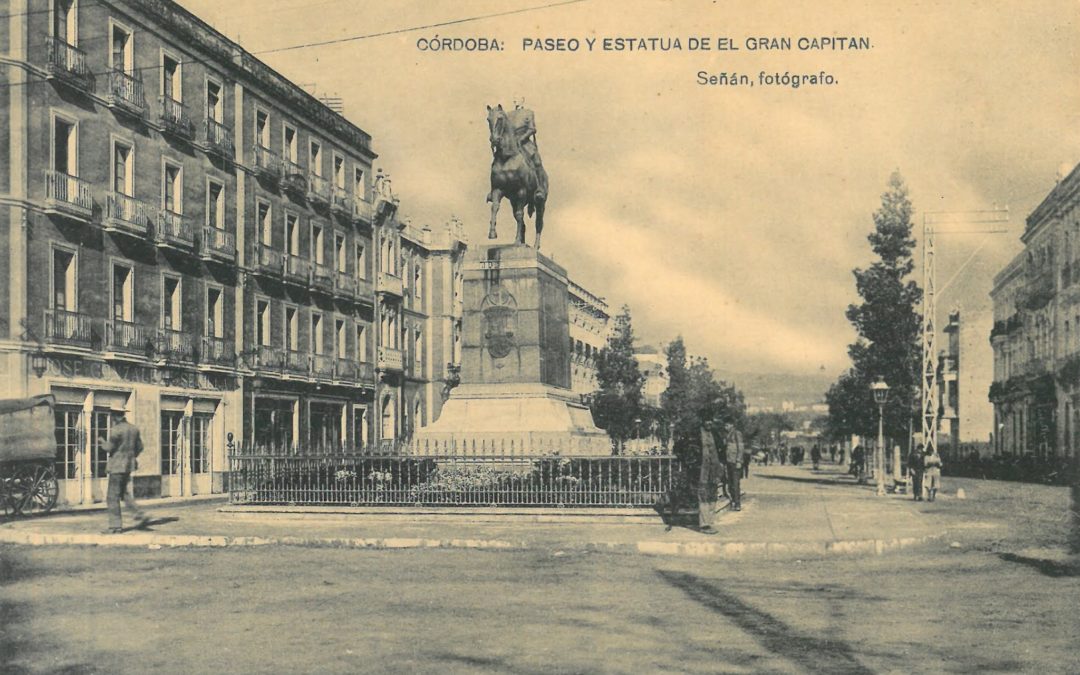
(929, 394)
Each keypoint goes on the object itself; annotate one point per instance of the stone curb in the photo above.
(769, 550)
(636, 516)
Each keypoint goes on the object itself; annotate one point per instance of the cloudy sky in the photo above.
(732, 216)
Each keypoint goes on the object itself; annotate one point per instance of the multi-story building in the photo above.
(653, 365)
(1036, 333)
(965, 374)
(193, 238)
(589, 330)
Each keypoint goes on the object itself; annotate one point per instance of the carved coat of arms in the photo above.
(499, 310)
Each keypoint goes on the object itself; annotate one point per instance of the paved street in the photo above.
(549, 609)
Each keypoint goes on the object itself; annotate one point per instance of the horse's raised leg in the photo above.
(539, 221)
(519, 216)
(495, 197)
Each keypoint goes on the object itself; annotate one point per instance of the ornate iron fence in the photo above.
(361, 479)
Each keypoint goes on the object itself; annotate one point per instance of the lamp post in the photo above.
(881, 395)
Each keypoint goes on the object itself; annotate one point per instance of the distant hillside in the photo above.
(772, 389)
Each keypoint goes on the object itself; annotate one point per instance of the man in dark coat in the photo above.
(123, 446)
(712, 475)
(732, 454)
(915, 470)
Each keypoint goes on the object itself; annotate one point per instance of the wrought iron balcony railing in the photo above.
(322, 277)
(390, 359)
(217, 244)
(126, 93)
(364, 290)
(70, 328)
(267, 164)
(68, 63)
(217, 351)
(297, 363)
(294, 180)
(269, 359)
(297, 269)
(174, 119)
(318, 191)
(269, 260)
(125, 214)
(322, 366)
(175, 345)
(129, 337)
(344, 285)
(219, 138)
(363, 211)
(174, 230)
(341, 203)
(68, 195)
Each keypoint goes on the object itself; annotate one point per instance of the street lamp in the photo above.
(881, 395)
(39, 362)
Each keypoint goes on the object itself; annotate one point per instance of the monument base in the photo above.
(513, 419)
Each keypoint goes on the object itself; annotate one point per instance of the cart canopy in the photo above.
(27, 428)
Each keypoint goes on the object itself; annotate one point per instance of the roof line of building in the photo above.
(1066, 189)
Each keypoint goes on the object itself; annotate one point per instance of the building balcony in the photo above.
(217, 351)
(126, 93)
(217, 245)
(125, 215)
(318, 191)
(70, 328)
(130, 339)
(341, 204)
(322, 366)
(174, 231)
(390, 359)
(294, 180)
(344, 285)
(389, 284)
(1035, 366)
(67, 64)
(365, 291)
(268, 260)
(175, 120)
(297, 270)
(362, 211)
(269, 359)
(219, 139)
(322, 277)
(297, 363)
(68, 196)
(352, 372)
(266, 165)
(175, 345)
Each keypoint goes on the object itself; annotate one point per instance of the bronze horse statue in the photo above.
(514, 175)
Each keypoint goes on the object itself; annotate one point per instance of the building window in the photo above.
(215, 204)
(170, 303)
(65, 23)
(215, 108)
(201, 426)
(121, 55)
(215, 324)
(340, 254)
(292, 234)
(315, 159)
(289, 143)
(418, 279)
(262, 323)
(172, 193)
(316, 333)
(123, 169)
(361, 262)
(63, 280)
(359, 187)
(68, 442)
(317, 244)
(418, 351)
(361, 343)
(266, 227)
(339, 172)
(122, 292)
(341, 347)
(292, 330)
(172, 422)
(100, 431)
(262, 128)
(65, 146)
(171, 78)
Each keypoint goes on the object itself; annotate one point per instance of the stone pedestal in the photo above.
(514, 394)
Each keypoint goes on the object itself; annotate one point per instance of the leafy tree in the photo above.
(888, 325)
(765, 427)
(617, 406)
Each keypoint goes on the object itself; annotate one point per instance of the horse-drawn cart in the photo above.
(27, 450)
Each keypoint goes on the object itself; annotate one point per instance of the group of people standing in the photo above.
(725, 460)
(924, 467)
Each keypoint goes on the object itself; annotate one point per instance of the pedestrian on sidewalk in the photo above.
(732, 453)
(747, 456)
(815, 456)
(858, 455)
(915, 470)
(123, 447)
(931, 472)
(712, 475)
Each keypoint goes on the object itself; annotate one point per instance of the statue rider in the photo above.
(524, 123)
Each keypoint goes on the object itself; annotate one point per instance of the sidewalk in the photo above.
(788, 512)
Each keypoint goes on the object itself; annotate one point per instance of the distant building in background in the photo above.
(590, 325)
(966, 372)
(653, 366)
(1036, 332)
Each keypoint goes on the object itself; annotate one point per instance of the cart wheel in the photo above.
(34, 489)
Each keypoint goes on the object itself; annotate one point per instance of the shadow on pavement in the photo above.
(815, 654)
(148, 525)
(1050, 568)
(800, 479)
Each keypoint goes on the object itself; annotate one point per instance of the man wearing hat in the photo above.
(123, 446)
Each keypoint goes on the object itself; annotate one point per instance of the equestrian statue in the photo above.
(516, 170)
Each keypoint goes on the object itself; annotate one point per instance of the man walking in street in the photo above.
(915, 470)
(123, 446)
(712, 474)
(931, 465)
(732, 454)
